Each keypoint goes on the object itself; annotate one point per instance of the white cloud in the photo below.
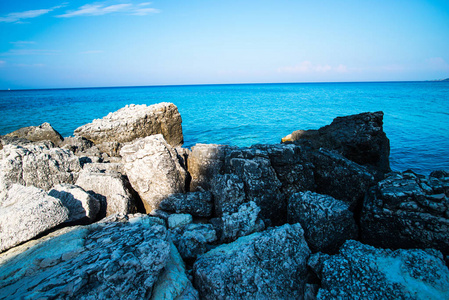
(103, 9)
(92, 52)
(309, 67)
(23, 42)
(29, 14)
(30, 52)
(2, 62)
(30, 65)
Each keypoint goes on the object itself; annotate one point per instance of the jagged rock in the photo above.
(25, 212)
(153, 170)
(37, 165)
(341, 178)
(111, 188)
(243, 222)
(327, 222)
(81, 205)
(111, 260)
(359, 138)
(204, 162)
(192, 239)
(43, 132)
(83, 148)
(364, 272)
(132, 122)
(408, 211)
(229, 193)
(178, 220)
(264, 265)
(196, 203)
(6, 140)
(105, 167)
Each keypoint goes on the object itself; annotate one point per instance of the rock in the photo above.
(204, 162)
(229, 193)
(178, 220)
(111, 188)
(153, 170)
(6, 140)
(43, 132)
(243, 222)
(83, 148)
(359, 138)
(112, 260)
(133, 122)
(341, 178)
(81, 205)
(26, 212)
(407, 210)
(264, 265)
(197, 204)
(192, 240)
(364, 272)
(327, 222)
(37, 165)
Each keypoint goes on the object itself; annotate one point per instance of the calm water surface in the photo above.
(416, 113)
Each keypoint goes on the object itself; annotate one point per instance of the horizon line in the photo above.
(212, 84)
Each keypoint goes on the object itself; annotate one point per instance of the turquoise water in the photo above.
(416, 113)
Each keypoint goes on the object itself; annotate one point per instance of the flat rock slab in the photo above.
(26, 212)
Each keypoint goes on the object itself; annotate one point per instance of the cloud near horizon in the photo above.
(309, 67)
(103, 9)
(17, 17)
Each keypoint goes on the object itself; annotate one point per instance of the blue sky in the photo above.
(56, 44)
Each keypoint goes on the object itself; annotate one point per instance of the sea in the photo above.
(416, 114)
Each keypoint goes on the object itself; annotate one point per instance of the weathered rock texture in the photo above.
(26, 212)
(408, 211)
(153, 169)
(112, 260)
(364, 272)
(111, 188)
(197, 204)
(43, 132)
(359, 138)
(192, 240)
(38, 165)
(133, 122)
(327, 222)
(265, 265)
(81, 205)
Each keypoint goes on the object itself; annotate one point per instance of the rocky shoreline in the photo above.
(122, 211)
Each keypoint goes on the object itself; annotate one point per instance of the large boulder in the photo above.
(327, 222)
(407, 210)
(133, 122)
(364, 272)
(110, 260)
(26, 212)
(37, 164)
(153, 169)
(82, 206)
(111, 188)
(264, 265)
(229, 193)
(43, 132)
(359, 138)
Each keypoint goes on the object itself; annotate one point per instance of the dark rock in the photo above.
(408, 211)
(359, 138)
(264, 265)
(327, 222)
(364, 272)
(43, 132)
(229, 193)
(196, 203)
(192, 239)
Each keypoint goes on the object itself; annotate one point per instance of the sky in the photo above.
(65, 44)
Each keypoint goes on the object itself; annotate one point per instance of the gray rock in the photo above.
(132, 122)
(6, 140)
(229, 193)
(327, 222)
(364, 272)
(243, 222)
(81, 205)
(193, 239)
(153, 170)
(43, 132)
(111, 188)
(38, 165)
(205, 161)
(26, 212)
(82, 147)
(263, 265)
(113, 260)
(407, 211)
(178, 220)
(197, 204)
(359, 138)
